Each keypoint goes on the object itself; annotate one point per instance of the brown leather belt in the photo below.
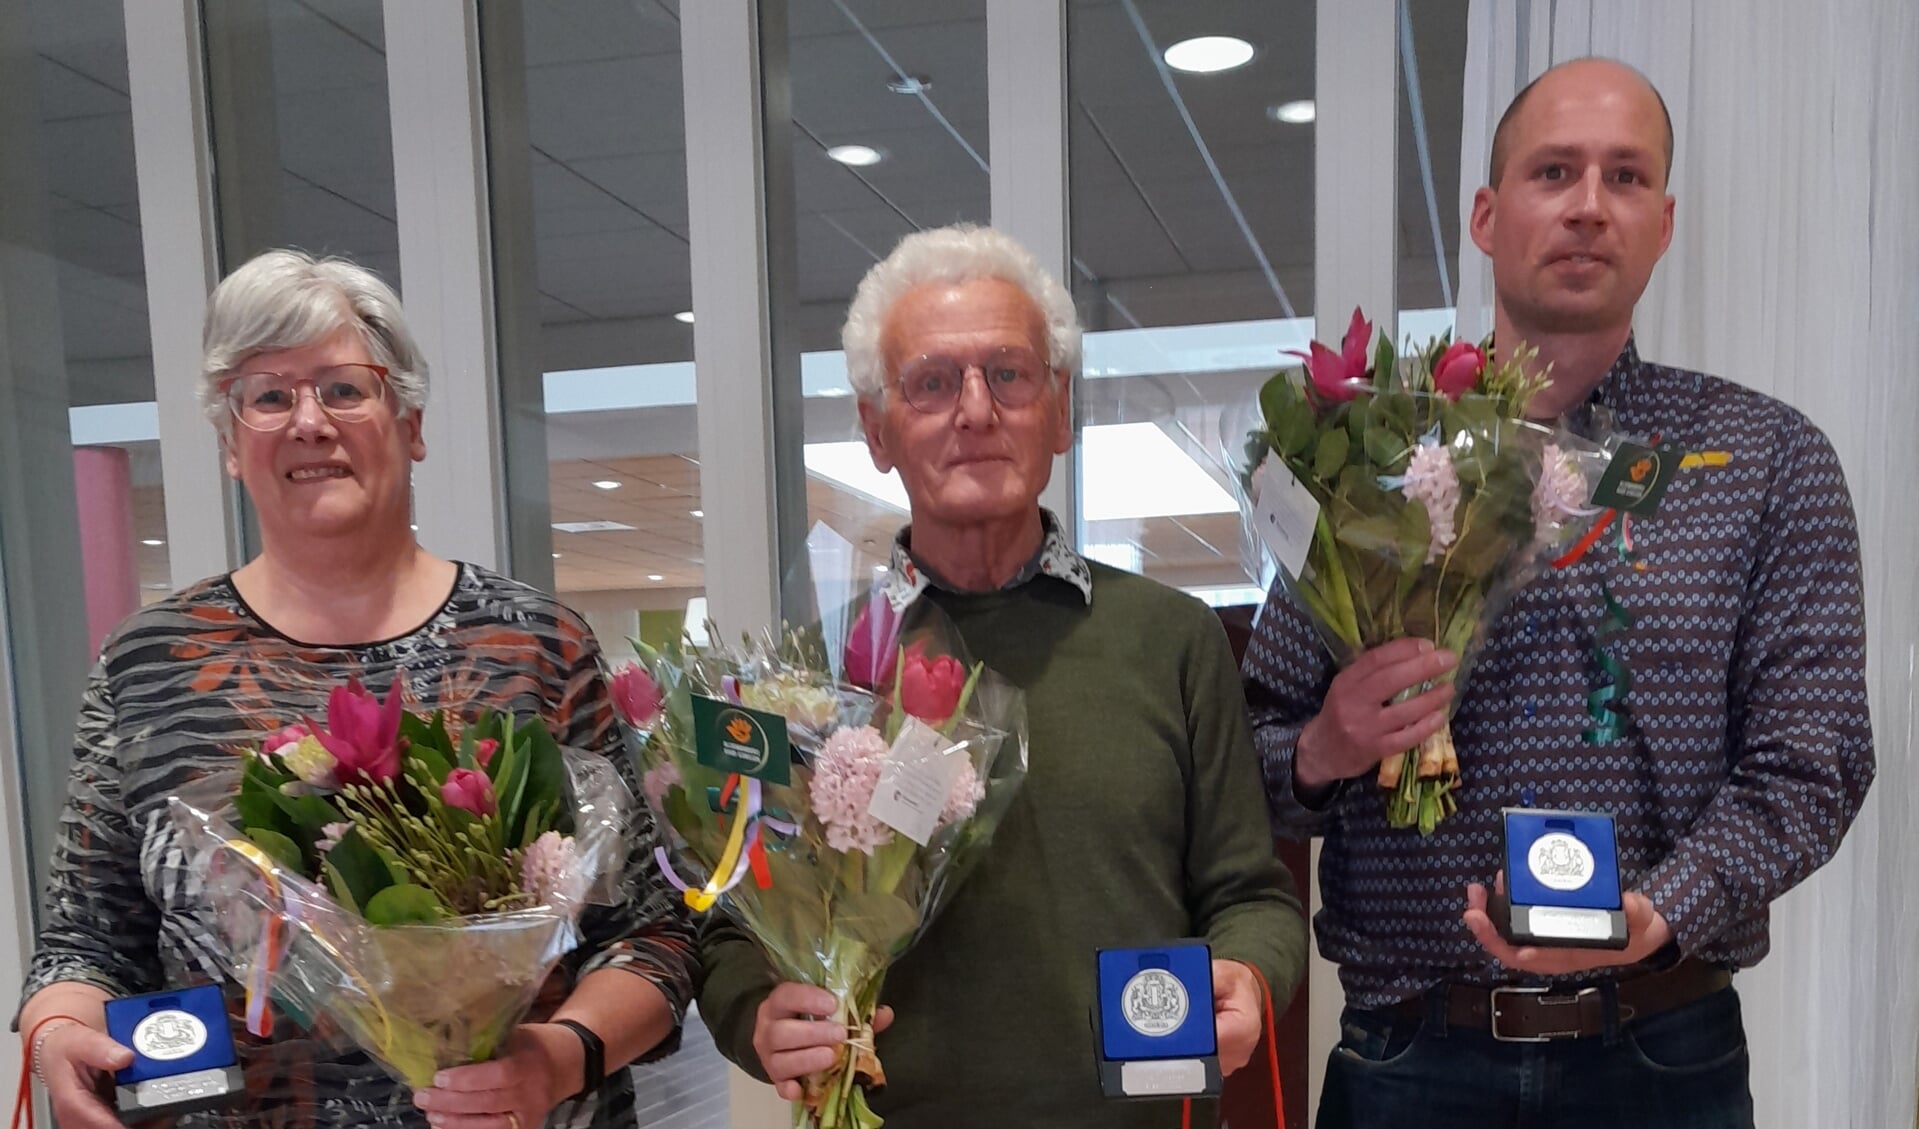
(1542, 1014)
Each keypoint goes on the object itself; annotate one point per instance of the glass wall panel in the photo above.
(596, 180)
(82, 512)
(1190, 131)
(1432, 51)
(889, 138)
(605, 159)
(302, 138)
(302, 131)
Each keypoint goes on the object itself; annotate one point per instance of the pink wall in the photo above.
(102, 481)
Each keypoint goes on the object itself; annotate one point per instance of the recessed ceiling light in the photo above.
(685, 316)
(909, 84)
(1209, 54)
(608, 484)
(1295, 113)
(858, 156)
(151, 541)
(414, 528)
(654, 576)
(697, 513)
(556, 556)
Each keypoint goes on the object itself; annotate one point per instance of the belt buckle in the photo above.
(1546, 998)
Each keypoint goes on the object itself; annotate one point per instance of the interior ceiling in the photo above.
(1155, 238)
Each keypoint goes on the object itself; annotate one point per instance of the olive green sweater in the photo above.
(1141, 821)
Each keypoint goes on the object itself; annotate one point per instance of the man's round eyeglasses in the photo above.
(1014, 377)
(264, 401)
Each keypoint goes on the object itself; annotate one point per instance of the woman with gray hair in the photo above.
(316, 390)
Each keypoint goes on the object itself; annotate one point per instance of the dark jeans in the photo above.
(1680, 1069)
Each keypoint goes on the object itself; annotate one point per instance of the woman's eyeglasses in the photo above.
(264, 401)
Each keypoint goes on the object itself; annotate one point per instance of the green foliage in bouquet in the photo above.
(401, 820)
(1424, 470)
(833, 893)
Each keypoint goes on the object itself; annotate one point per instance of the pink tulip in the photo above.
(483, 751)
(872, 647)
(1457, 372)
(470, 791)
(1355, 350)
(930, 688)
(636, 697)
(282, 737)
(1340, 376)
(362, 733)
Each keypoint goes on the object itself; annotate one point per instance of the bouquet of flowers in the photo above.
(1432, 500)
(828, 790)
(366, 854)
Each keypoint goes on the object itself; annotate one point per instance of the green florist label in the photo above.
(733, 738)
(1636, 478)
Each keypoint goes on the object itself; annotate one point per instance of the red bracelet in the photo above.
(32, 1041)
(30, 1067)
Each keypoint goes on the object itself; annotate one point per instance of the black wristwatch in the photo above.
(595, 1056)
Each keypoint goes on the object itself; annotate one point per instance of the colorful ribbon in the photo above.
(745, 843)
(267, 957)
(1606, 704)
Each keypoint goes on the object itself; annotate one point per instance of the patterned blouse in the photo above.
(189, 683)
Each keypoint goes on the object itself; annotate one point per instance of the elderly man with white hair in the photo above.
(1141, 820)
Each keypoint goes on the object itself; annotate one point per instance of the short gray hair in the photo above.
(287, 299)
(951, 255)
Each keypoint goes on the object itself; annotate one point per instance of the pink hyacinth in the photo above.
(658, 781)
(1560, 494)
(845, 774)
(966, 793)
(1431, 481)
(546, 868)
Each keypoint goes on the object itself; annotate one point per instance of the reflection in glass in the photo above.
(82, 517)
(1192, 246)
(1432, 55)
(615, 334)
(302, 131)
(889, 138)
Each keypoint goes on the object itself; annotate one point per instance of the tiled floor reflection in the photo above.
(688, 1090)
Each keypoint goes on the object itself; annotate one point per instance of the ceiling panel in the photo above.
(85, 36)
(560, 32)
(607, 107)
(806, 19)
(320, 47)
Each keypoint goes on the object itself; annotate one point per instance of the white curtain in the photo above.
(1794, 269)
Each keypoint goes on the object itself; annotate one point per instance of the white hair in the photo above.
(287, 299)
(951, 255)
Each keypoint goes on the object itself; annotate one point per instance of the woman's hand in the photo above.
(541, 1066)
(74, 1062)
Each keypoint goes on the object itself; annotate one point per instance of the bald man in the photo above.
(1738, 755)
